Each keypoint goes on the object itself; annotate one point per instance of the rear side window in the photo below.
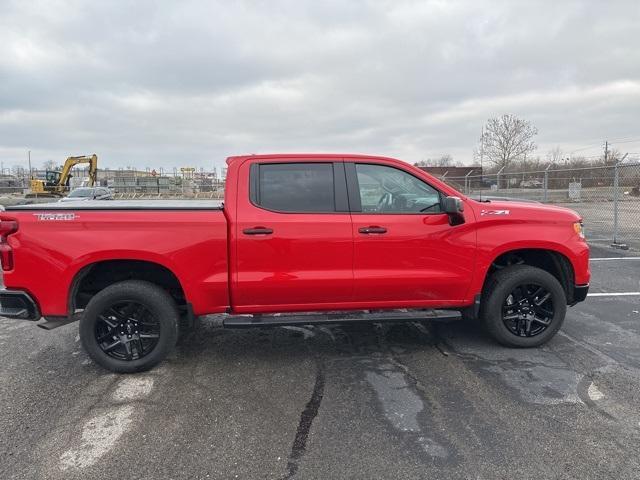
(294, 187)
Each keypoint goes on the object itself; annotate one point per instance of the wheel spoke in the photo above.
(118, 314)
(148, 324)
(528, 327)
(513, 316)
(112, 346)
(543, 312)
(543, 321)
(149, 335)
(127, 347)
(537, 293)
(106, 336)
(540, 301)
(517, 294)
(108, 321)
(135, 312)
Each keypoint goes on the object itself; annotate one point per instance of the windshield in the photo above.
(82, 192)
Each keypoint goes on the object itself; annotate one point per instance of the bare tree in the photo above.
(50, 165)
(18, 170)
(613, 156)
(445, 160)
(554, 155)
(506, 139)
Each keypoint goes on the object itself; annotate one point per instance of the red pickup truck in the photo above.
(296, 233)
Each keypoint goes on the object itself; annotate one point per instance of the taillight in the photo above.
(7, 227)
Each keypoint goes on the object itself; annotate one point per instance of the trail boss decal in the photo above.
(494, 212)
(56, 217)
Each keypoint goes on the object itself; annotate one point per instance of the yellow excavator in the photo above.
(56, 184)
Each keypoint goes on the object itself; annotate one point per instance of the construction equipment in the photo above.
(56, 183)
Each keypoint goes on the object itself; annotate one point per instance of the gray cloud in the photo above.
(189, 83)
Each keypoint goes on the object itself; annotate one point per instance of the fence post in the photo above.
(616, 183)
(498, 177)
(466, 182)
(546, 184)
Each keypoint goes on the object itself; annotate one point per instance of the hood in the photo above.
(518, 210)
(491, 198)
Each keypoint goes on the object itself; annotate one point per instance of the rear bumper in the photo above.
(580, 293)
(18, 304)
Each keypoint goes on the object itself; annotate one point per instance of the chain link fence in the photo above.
(129, 183)
(607, 197)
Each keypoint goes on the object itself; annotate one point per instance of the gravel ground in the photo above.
(365, 401)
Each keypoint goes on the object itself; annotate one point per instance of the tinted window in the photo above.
(296, 187)
(389, 190)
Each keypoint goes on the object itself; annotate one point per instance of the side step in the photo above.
(276, 320)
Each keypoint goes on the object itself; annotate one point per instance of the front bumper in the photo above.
(579, 293)
(18, 304)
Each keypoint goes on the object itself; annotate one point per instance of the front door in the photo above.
(294, 237)
(406, 254)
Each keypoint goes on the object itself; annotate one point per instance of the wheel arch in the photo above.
(95, 276)
(550, 260)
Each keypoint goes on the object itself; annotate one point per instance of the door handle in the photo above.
(372, 229)
(257, 231)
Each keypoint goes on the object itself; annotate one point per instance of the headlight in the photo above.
(579, 229)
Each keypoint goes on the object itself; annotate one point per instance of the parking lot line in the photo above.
(605, 259)
(613, 294)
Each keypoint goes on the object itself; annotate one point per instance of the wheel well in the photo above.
(553, 262)
(97, 276)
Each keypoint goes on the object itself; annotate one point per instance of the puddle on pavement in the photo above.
(537, 375)
(402, 405)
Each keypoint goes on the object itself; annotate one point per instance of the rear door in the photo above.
(294, 238)
(405, 251)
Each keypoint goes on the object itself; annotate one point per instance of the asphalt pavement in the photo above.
(367, 401)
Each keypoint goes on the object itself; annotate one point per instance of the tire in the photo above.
(139, 315)
(509, 306)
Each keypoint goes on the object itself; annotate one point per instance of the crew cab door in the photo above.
(405, 251)
(294, 242)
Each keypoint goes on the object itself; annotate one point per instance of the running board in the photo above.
(277, 320)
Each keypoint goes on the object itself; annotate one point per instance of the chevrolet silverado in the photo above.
(346, 236)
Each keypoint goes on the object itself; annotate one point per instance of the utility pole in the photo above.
(29, 156)
(606, 151)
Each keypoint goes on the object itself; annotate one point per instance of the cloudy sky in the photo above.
(163, 84)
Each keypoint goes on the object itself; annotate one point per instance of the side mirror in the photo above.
(453, 206)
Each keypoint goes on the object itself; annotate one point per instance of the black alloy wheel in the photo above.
(130, 326)
(528, 310)
(523, 306)
(127, 331)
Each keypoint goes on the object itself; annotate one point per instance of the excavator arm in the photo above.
(72, 162)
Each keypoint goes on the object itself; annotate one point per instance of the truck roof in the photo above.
(124, 205)
(354, 156)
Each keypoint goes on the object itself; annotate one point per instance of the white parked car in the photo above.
(88, 193)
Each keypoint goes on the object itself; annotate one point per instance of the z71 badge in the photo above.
(59, 217)
(494, 212)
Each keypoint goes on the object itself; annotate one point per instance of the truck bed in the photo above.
(124, 205)
(56, 242)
